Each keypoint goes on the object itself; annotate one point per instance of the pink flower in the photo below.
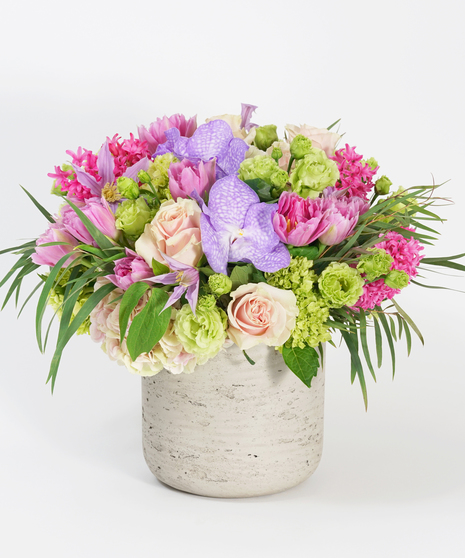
(175, 231)
(406, 254)
(155, 135)
(73, 224)
(321, 137)
(184, 177)
(355, 177)
(341, 217)
(50, 255)
(260, 313)
(130, 270)
(300, 221)
(126, 153)
(98, 213)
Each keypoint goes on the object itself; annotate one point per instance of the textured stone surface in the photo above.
(231, 429)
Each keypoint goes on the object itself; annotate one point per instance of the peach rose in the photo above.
(260, 313)
(321, 137)
(175, 231)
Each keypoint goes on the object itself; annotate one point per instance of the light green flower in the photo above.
(219, 284)
(265, 136)
(298, 276)
(340, 285)
(204, 333)
(132, 216)
(127, 187)
(382, 186)
(277, 153)
(371, 162)
(397, 279)
(375, 264)
(265, 168)
(158, 173)
(313, 174)
(300, 146)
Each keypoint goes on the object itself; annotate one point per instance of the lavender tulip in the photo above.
(185, 177)
(130, 270)
(342, 216)
(237, 227)
(50, 255)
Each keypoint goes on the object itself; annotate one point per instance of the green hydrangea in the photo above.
(219, 284)
(375, 264)
(397, 279)
(340, 285)
(310, 328)
(158, 173)
(300, 146)
(132, 216)
(57, 297)
(265, 136)
(313, 174)
(204, 333)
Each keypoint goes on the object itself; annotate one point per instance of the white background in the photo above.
(73, 482)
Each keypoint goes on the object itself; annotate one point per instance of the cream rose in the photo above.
(260, 313)
(321, 137)
(175, 231)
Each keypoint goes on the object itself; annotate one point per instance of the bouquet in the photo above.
(170, 246)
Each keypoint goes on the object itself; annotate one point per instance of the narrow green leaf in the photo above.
(149, 326)
(451, 265)
(36, 288)
(387, 331)
(378, 340)
(442, 259)
(27, 245)
(333, 124)
(364, 342)
(435, 287)
(408, 338)
(303, 362)
(20, 263)
(356, 364)
(249, 360)
(102, 241)
(42, 209)
(129, 301)
(409, 320)
(393, 328)
(16, 284)
(401, 325)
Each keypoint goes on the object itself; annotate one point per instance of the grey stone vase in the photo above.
(231, 429)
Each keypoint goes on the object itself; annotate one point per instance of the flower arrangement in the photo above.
(172, 245)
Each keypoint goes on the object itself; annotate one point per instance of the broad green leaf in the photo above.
(102, 241)
(364, 342)
(159, 268)
(309, 252)
(129, 301)
(207, 271)
(241, 275)
(303, 362)
(409, 320)
(149, 326)
(261, 188)
(42, 209)
(387, 331)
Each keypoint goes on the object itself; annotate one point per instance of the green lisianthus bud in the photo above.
(300, 146)
(127, 187)
(276, 154)
(382, 186)
(143, 177)
(313, 174)
(372, 163)
(340, 285)
(132, 216)
(375, 264)
(397, 279)
(265, 136)
(219, 284)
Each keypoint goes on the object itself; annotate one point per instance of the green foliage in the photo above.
(129, 301)
(303, 362)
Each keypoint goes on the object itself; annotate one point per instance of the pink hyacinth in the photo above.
(66, 179)
(126, 153)
(355, 178)
(155, 135)
(300, 221)
(185, 177)
(406, 254)
(130, 270)
(50, 255)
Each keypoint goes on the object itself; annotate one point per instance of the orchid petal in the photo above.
(272, 261)
(215, 246)
(210, 139)
(229, 201)
(230, 161)
(258, 225)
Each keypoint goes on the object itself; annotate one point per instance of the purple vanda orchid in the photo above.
(214, 139)
(188, 279)
(237, 227)
(106, 165)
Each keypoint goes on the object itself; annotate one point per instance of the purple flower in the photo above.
(106, 165)
(155, 135)
(130, 270)
(185, 177)
(246, 113)
(214, 139)
(188, 279)
(50, 255)
(237, 227)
